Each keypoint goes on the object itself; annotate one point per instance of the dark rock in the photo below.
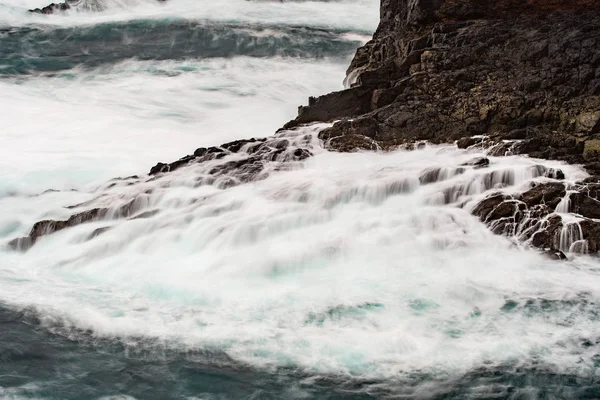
(466, 142)
(231, 164)
(21, 244)
(453, 70)
(487, 205)
(48, 227)
(351, 143)
(53, 7)
(66, 5)
(555, 255)
(549, 194)
(554, 174)
(347, 103)
(438, 174)
(478, 162)
(591, 232)
(530, 217)
(159, 168)
(586, 202)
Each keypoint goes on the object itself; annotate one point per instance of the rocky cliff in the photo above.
(513, 76)
(456, 69)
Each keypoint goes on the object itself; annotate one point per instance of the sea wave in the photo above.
(46, 49)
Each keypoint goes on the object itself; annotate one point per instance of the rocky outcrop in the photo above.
(510, 76)
(448, 70)
(53, 7)
(256, 154)
(224, 166)
(67, 5)
(537, 216)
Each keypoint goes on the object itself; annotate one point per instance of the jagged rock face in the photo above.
(53, 7)
(398, 14)
(513, 76)
(448, 70)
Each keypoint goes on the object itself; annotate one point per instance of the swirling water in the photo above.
(341, 276)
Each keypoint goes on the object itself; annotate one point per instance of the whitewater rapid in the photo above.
(345, 264)
(342, 265)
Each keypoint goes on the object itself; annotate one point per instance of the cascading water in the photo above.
(337, 275)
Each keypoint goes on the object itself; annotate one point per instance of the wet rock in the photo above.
(351, 143)
(163, 168)
(53, 7)
(531, 217)
(48, 227)
(521, 73)
(438, 174)
(490, 203)
(544, 236)
(549, 194)
(556, 255)
(227, 165)
(255, 152)
(478, 162)
(586, 202)
(21, 244)
(68, 4)
(347, 103)
(591, 232)
(554, 174)
(466, 142)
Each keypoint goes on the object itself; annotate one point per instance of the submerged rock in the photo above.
(224, 166)
(479, 162)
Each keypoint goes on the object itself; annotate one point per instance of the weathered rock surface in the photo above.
(533, 216)
(53, 7)
(511, 76)
(446, 70)
(256, 153)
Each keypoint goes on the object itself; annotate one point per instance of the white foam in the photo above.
(82, 126)
(318, 267)
(360, 15)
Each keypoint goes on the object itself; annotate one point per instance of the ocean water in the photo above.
(340, 276)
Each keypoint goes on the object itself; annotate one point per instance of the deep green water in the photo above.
(72, 365)
(25, 50)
